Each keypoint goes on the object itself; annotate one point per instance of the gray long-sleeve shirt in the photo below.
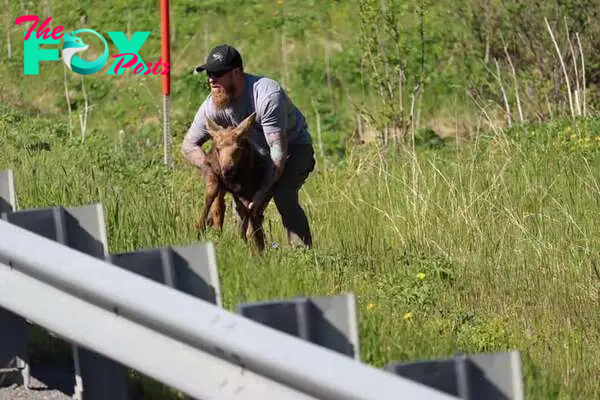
(275, 115)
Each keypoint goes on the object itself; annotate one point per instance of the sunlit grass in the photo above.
(485, 247)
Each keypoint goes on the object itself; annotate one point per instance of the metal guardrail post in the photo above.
(329, 321)
(102, 378)
(494, 376)
(82, 229)
(8, 199)
(190, 269)
(14, 356)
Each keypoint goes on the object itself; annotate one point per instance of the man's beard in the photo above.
(223, 97)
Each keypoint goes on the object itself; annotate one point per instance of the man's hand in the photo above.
(272, 175)
(259, 197)
(197, 157)
(257, 201)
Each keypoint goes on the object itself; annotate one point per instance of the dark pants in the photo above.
(299, 165)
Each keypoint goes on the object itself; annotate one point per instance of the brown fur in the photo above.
(237, 169)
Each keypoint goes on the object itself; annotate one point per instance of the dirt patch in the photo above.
(48, 382)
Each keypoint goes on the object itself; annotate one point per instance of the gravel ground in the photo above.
(47, 383)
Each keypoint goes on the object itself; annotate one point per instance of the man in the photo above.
(280, 132)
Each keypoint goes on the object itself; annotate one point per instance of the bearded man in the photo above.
(280, 131)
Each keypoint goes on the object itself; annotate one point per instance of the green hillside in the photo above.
(338, 59)
(477, 236)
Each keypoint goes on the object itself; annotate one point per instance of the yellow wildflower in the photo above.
(370, 306)
(408, 316)
(421, 275)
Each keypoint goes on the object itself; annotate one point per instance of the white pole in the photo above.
(167, 139)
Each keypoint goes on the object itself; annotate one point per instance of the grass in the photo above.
(479, 246)
(476, 245)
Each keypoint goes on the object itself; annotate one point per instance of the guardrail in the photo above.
(159, 312)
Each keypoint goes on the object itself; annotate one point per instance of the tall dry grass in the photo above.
(485, 246)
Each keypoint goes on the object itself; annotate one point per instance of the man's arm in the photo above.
(274, 124)
(195, 137)
(278, 151)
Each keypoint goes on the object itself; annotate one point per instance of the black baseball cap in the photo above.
(222, 58)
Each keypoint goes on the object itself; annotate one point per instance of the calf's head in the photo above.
(230, 144)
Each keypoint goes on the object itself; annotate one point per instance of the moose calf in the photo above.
(239, 169)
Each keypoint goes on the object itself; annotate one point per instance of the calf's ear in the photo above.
(214, 129)
(245, 125)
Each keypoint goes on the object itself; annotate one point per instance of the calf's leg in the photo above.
(217, 211)
(211, 192)
(241, 212)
